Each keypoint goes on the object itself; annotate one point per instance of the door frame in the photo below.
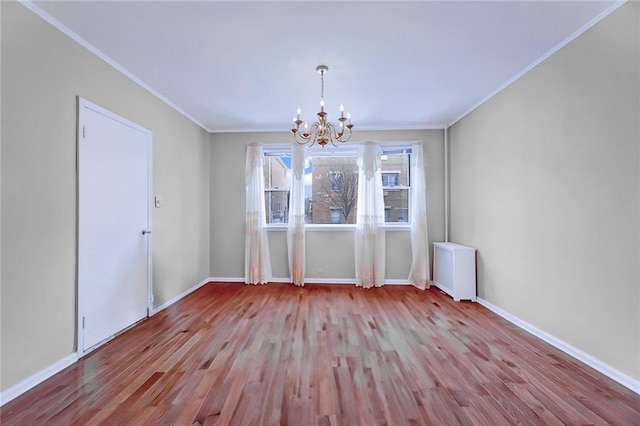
(82, 106)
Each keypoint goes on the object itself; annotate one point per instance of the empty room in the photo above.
(320, 212)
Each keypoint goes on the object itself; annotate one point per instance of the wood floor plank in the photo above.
(232, 354)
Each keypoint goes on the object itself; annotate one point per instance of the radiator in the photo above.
(454, 270)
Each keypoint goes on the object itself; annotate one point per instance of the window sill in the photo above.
(397, 227)
(330, 227)
(336, 228)
(280, 227)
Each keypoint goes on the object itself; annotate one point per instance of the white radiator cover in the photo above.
(454, 270)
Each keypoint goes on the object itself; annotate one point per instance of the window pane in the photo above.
(277, 206)
(277, 172)
(396, 203)
(395, 169)
(395, 182)
(332, 190)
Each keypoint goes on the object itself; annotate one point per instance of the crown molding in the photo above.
(541, 59)
(91, 48)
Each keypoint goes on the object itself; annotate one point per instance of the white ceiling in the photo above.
(246, 66)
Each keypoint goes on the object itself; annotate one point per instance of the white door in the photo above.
(113, 224)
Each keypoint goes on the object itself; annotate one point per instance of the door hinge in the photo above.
(83, 321)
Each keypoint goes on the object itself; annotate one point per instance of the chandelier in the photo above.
(322, 131)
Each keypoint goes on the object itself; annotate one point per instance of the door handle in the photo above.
(146, 231)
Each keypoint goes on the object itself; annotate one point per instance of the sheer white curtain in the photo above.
(370, 234)
(295, 230)
(419, 273)
(257, 262)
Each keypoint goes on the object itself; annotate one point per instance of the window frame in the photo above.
(389, 149)
(275, 152)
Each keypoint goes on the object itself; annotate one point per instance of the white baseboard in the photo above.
(21, 387)
(288, 280)
(330, 281)
(227, 279)
(180, 296)
(312, 280)
(351, 281)
(614, 374)
(397, 282)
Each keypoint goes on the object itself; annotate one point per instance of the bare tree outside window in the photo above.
(335, 188)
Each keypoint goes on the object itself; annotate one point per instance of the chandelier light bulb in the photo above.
(322, 102)
(298, 112)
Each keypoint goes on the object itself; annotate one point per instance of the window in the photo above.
(335, 215)
(331, 184)
(396, 167)
(390, 178)
(335, 181)
(277, 175)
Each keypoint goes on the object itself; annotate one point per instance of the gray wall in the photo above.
(329, 253)
(42, 73)
(545, 184)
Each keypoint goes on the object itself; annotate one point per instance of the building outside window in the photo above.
(396, 166)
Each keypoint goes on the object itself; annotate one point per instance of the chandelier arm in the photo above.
(299, 139)
(340, 137)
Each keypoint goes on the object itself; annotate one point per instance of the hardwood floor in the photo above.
(323, 355)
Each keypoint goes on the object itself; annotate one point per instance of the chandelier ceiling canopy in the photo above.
(322, 131)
